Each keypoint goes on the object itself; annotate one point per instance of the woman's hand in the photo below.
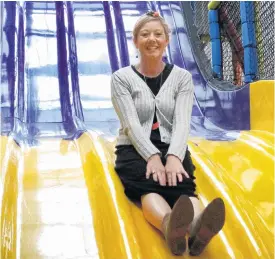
(156, 168)
(174, 170)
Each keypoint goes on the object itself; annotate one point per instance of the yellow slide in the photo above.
(63, 199)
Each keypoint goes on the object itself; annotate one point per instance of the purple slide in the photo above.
(55, 80)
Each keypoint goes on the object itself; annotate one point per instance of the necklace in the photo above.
(156, 78)
(138, 67)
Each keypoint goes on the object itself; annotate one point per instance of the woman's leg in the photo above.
(155, 208)
(206, 225)
(197, 211)
(173, 223)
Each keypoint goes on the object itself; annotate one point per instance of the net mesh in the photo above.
(202, 25)
(232, 50)
(264, 21)
(231, 38)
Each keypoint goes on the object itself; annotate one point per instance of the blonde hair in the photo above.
(148, 18)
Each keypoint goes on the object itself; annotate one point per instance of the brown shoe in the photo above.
(177, 224)
(209, 223)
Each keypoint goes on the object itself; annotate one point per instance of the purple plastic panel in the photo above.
(56, 93)
(122, 41)
(73, 62)
(8, 65)
(174, 48)
(35, 95)
(21, 109)
(95, 64)
(13, 106)
(63, 75)
(42, 96)
(110, 37)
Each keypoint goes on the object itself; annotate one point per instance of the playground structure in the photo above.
(60, 196)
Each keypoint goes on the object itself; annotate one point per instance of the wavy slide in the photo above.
(60, 196)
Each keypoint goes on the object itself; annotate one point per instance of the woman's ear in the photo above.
(135, 43)
(167, 42)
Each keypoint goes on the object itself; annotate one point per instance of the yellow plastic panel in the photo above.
(221, 171)
(46, 208)
(11, 167)
(63, 199)
(114, 226)
(3, 144)
(244, 171)
(56, 216)
(262, 105)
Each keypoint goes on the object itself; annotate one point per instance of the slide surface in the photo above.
(60, 196)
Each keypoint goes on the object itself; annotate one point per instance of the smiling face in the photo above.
(151, 40)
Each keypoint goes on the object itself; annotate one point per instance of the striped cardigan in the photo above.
(135, 105)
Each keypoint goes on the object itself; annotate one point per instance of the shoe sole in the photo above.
(180, 218)
(212, 222)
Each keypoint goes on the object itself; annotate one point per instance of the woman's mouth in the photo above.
(152, 48)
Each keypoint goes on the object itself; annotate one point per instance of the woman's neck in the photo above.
(150, 68)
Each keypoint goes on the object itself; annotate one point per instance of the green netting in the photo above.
(264, 21)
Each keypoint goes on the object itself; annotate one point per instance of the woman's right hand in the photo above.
(156, 168)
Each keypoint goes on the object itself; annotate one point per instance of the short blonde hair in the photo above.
(148, 18)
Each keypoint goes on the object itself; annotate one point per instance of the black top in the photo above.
(155, 84)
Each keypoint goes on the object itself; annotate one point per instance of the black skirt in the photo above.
(131, 169)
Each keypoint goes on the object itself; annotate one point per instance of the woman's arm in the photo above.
(126, 111)
(182, 118)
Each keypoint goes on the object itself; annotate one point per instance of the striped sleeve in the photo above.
(182, 118)
(126, 111)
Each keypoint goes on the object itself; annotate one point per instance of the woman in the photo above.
(154, 101)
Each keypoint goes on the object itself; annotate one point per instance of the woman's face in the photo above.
(151, 40)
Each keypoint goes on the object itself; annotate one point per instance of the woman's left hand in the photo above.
(174, 170)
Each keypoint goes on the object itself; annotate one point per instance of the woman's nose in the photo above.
(152, 37)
